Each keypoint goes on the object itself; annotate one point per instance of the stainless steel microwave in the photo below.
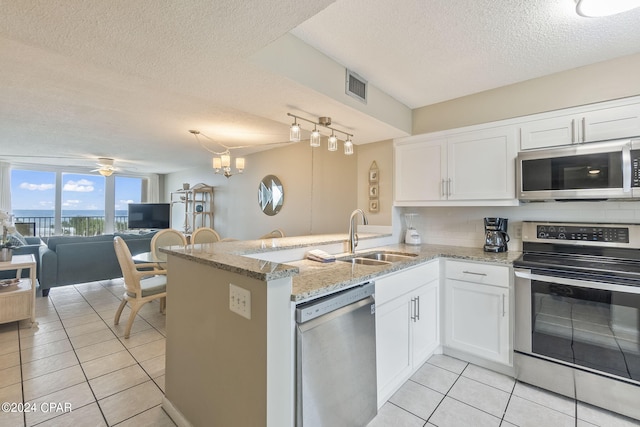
(589, 171)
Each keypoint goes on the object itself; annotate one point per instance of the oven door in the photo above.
(587, 324)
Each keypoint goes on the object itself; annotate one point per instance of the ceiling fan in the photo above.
(106, 167)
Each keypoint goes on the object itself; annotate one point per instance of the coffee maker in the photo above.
(495, 234)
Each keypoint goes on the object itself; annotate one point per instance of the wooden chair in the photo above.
(141, 286)
(273, 234)
(205, 235)
(166, 237)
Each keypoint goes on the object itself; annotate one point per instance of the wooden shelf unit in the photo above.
(202, 195)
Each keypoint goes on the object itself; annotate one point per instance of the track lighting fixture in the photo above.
(314, 139)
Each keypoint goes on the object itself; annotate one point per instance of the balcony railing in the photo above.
(71, 225)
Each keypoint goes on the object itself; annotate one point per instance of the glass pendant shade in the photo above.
(217, 163)
(595, 8)
(294, 133)
(348, 147)
(314, 140)
(333, 143)
(225, 160)
(240, 164)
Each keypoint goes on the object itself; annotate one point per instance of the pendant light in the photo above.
(315, 138)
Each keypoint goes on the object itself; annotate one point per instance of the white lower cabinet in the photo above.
(477, 310)
(407, 324)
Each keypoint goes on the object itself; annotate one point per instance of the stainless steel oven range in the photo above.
(577, 305)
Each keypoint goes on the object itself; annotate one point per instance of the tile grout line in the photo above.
(79, 364)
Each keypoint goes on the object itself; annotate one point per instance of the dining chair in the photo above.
(166, 237)
(273, 234)
(142, 283)
(205, 235)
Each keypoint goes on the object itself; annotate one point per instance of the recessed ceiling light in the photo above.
(596, 8)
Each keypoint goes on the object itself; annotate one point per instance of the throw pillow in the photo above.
(16, 239)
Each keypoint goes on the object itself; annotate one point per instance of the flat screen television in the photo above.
(149, 215)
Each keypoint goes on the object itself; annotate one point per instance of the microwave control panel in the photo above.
(584, 233)
(635, 168)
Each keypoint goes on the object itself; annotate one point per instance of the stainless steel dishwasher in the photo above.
(336, 359)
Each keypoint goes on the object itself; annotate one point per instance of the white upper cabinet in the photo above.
(548, 133)
(586, 126)
(419, 170)
(611, 123)
(481, 165)
(476, 167)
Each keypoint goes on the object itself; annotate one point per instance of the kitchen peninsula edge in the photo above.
(225, 369)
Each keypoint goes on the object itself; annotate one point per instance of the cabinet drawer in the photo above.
(394, 285)
(489, 274)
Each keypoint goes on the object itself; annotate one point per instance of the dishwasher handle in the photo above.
(324, 305)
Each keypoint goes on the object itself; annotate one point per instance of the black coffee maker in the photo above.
(495, 232)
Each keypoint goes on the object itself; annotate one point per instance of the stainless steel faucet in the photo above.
(353, 234)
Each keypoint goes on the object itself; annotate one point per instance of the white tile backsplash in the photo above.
(464, 226)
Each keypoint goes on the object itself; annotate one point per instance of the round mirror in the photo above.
(270, 195)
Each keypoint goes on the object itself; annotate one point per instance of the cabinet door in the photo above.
(393, 357)
(611, 123)
(481, 165)
(477, 319)
(419, 171)
(549, 132)
(425, 322)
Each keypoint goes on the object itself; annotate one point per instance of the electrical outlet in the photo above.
(240, 301)
(519, 232)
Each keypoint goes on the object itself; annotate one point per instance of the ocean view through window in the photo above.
(60, 203)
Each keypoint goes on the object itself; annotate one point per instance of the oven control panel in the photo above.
(583, 233)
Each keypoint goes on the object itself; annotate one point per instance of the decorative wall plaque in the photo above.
(374, 192)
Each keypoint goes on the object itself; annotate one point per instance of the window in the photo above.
(83, 201)
(73, 203)
(33, 199)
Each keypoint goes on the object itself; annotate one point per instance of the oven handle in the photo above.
(578, 283)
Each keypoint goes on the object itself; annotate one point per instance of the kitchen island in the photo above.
(228, 367)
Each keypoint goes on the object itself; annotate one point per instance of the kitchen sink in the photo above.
(365, 261)
(378, 258)
(388, 256)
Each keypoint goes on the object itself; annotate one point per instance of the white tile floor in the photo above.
(76, 356)
(448, 392)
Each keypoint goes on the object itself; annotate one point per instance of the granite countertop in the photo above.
(231, 255)
(317, 279)
(312, 279)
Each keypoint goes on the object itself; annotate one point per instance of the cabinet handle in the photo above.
(474, 273)
(417, 308)
(443, 190)
(584, 130)
(573, 131)
(413, 309)
(449, 191)
(503, 305)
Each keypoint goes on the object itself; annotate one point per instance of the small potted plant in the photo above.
(6, 245)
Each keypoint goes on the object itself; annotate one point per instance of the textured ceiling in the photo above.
(127, 79)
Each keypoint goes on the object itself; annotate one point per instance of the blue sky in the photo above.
(36, 190)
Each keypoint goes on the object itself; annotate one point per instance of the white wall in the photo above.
(320, 192)
(617, 78)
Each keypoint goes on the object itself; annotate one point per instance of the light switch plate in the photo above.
(240, 301)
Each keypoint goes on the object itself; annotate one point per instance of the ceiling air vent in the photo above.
(356, 86)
